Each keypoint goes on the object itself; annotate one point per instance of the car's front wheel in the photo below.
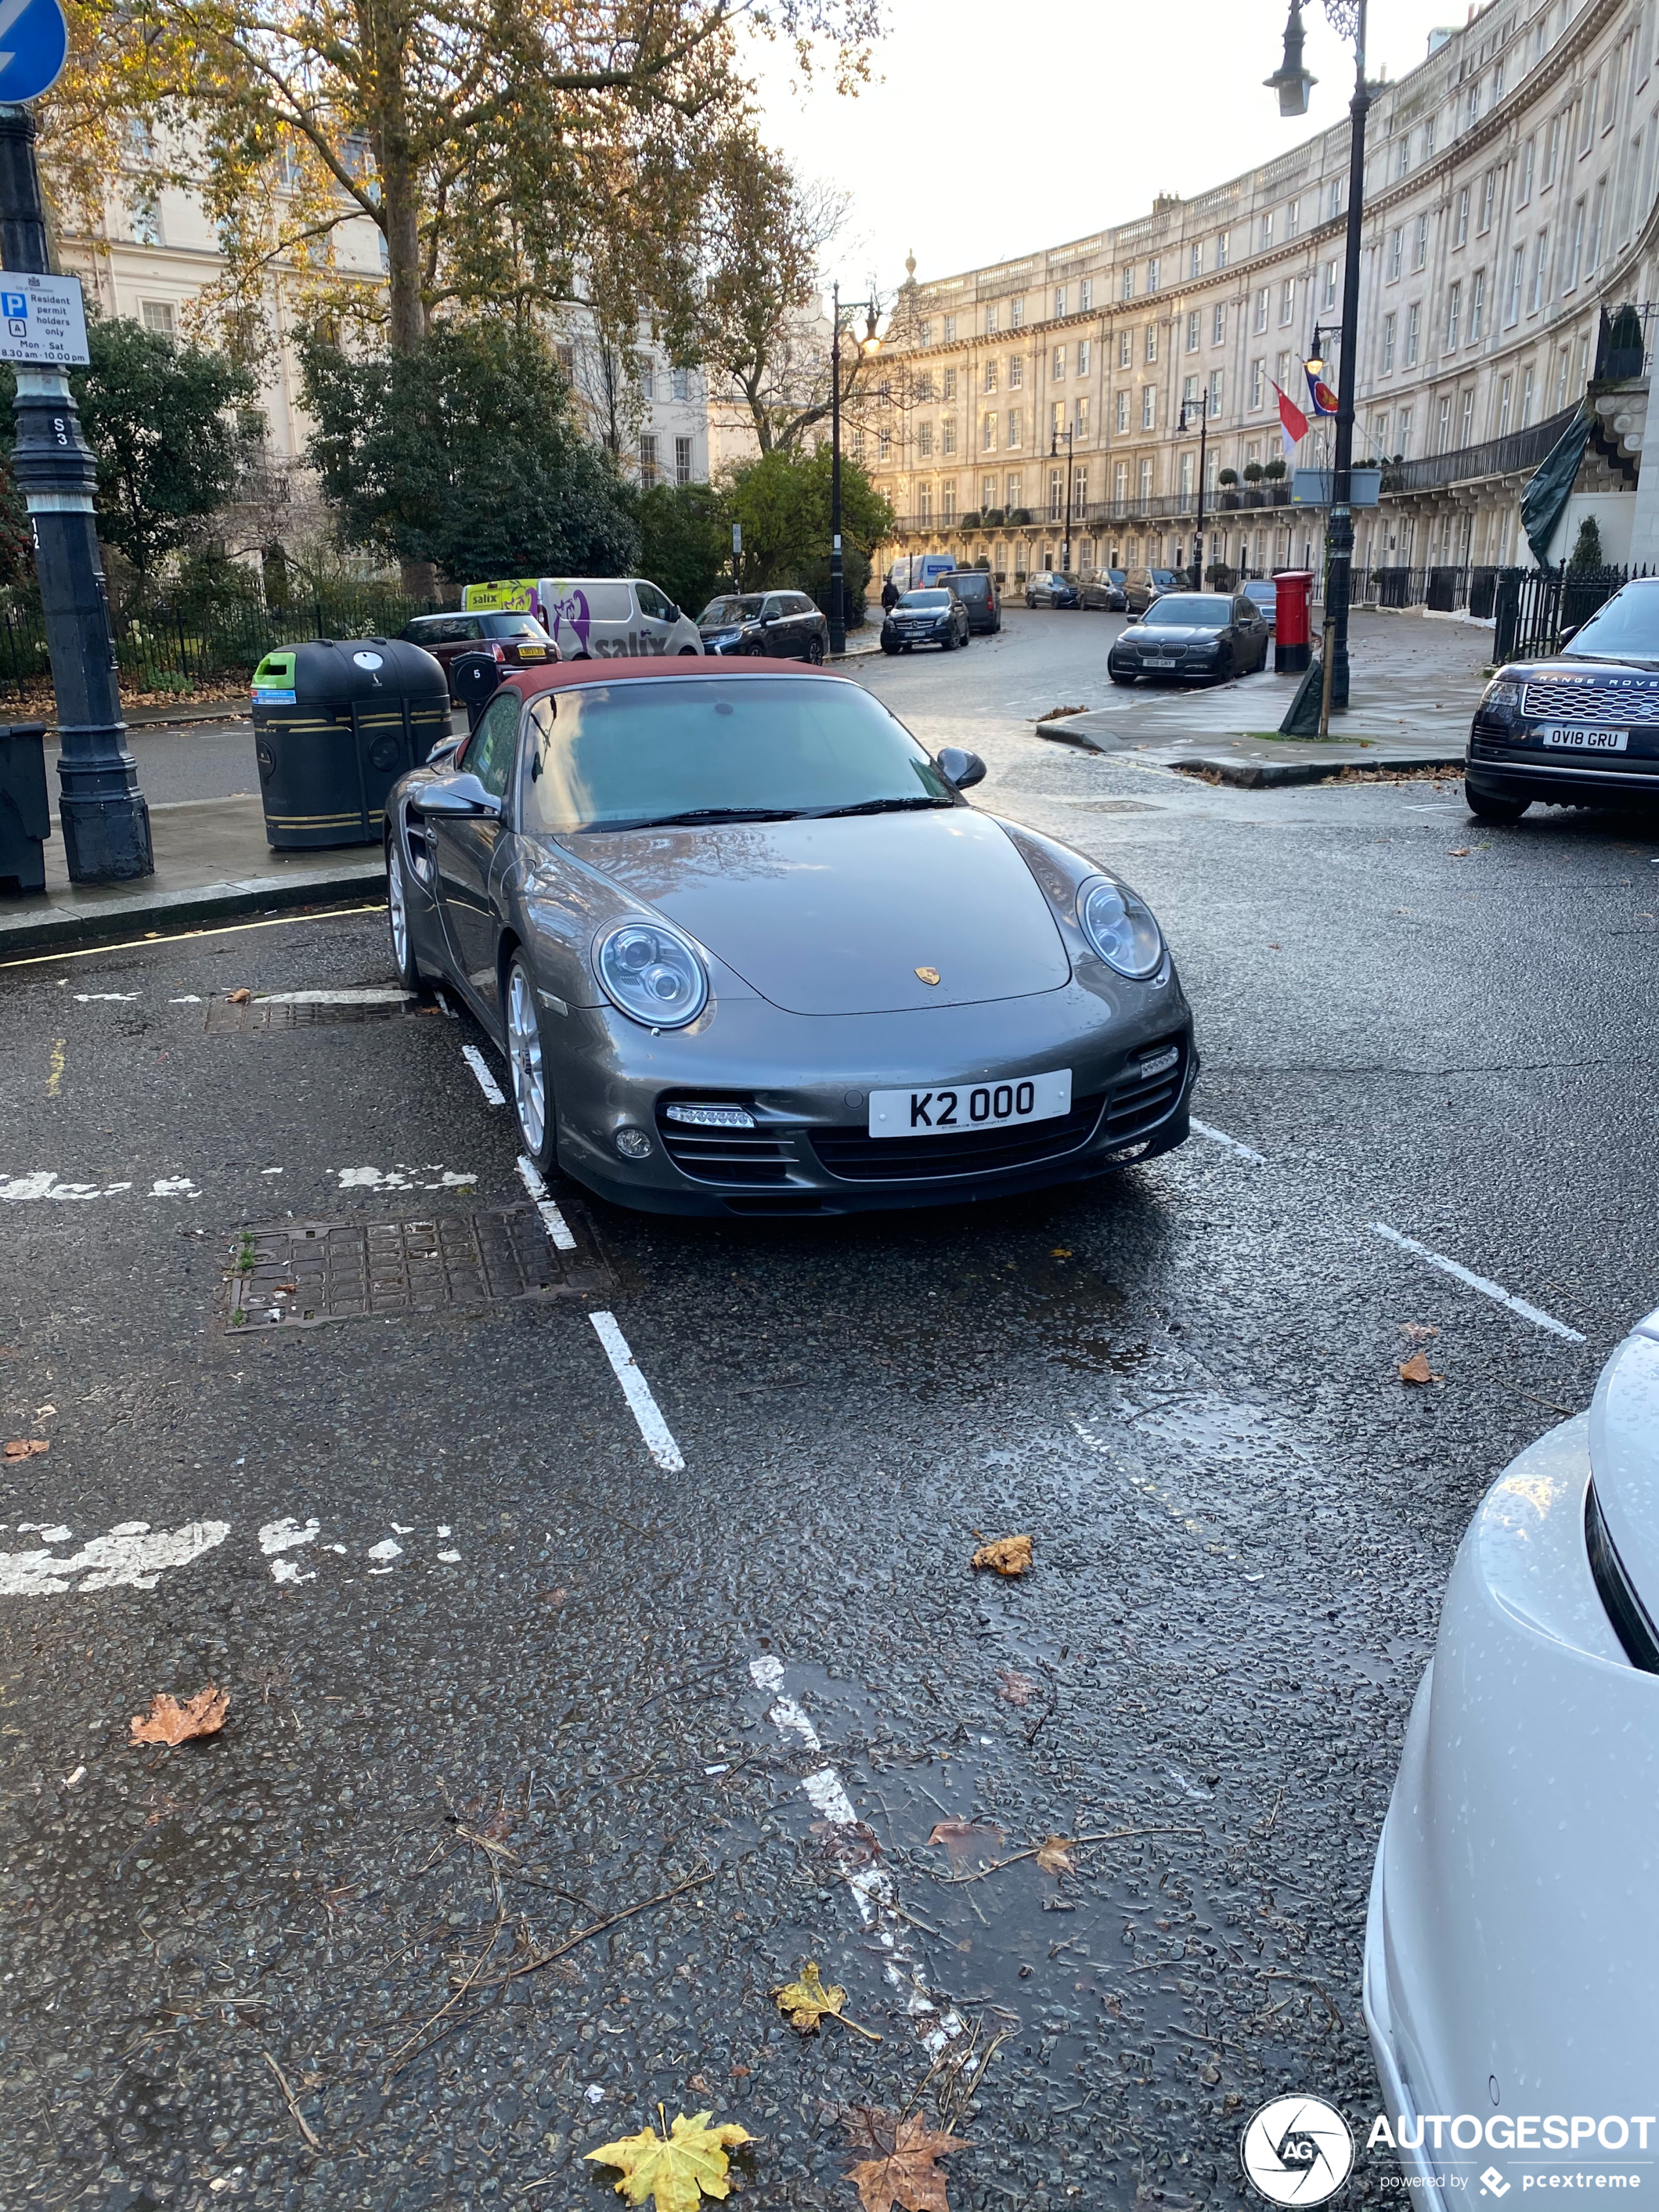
(1486, 807)
(815, 652)
(526, 1058)
(1117, 677)
(397, 915)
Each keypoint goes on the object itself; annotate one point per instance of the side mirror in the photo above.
(457, 796)
(768, 617)
(963, 769)
(1568, 635)
(673, 612)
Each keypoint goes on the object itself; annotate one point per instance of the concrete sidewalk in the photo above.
(1412, 691)
(211, 863)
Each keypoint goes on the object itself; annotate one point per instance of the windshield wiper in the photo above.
(877, 806)
(695, 814)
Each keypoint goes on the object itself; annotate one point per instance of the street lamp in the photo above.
(1054, 437)
(1292, 81)
(1202, 406)
(868, 345)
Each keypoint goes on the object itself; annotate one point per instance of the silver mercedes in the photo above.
(748, 950)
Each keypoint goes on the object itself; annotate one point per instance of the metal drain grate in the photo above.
(226, 1018)
(297, 1274)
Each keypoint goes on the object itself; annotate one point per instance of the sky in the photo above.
(995, 126)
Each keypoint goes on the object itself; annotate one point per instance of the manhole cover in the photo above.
(229, 1017)
(297, 1274)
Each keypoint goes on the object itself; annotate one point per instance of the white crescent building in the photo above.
(1508, 213)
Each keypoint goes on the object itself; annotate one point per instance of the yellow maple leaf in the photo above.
(673, 2170)
(807, 2000)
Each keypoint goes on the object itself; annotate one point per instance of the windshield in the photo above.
(1191, 611)
(621, 755)
(925, 599)
(1626, 628)
(732, 611)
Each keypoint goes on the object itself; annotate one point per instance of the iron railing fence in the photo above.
(1535, 607)
(172, 644)
(1497, 457)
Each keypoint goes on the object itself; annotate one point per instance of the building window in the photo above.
(1057, 418)
(924, 504)
(1551, 152)
(1414, 332)
(1539, 264)
(146, 223)
(1060, 301)
(1192, 331)
(1150, 347)
(1523, 175)
(1080, 417)
(1388, 344)
(1598, 224)
(1404, 446)
(1060, 363)
(1153, 268)
(1221, 250)
(158, 317)
(1282, 372)
(1053, 494)
(680, 382)
(1195, 259)
(857, 445)
(1016, 491)
(1472, 107)
(884, 445)
(1266, 233)
(1258, 383)
(1188, 473)
(948, 384)
(647, 458)
(1420, 242)
(1461, 227)
(988, 443)
(947, 435)
(1294, 217)
(1146, 480)
(988, 491)
(1454, 316)
(950, 333)
(1015, 427)
(1575, 246)
(1287, 301)
(924, 332)
(1488, 194)
(1517, 284)
(1466, 423)
(1017, 312)
(1083, 356)
(1086, 294)
(1123, 413)
(1526, 396)
(1121, 481)
(1477, 305)
(1262, 310)
(1148, 406)
(1214, 394)
(1335, 207)
(1587, 114)
(991, 321)
(1402, 159)
(1218, 323)
(1189, 391)
(1396, 240)
(1428, 140)
(1129, 280)
(924, 440)
(990, 372)
(1016, 372)
(1125, 349)
(948, 499)
(925, 385)
(1329, 293)
(1444, 433)
(1505, 394)
(682, 460)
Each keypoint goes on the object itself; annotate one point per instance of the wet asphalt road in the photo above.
(515, 1682)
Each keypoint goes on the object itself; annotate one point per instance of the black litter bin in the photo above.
(336, 722)
(25, 811)
(477, 677)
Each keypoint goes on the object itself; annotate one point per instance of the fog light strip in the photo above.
(1487, 1289)
(552, 1220)
(659, 1441)
(487, 1082)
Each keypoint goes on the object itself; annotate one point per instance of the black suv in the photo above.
(782, 625)
(977, 591)
(935, 616)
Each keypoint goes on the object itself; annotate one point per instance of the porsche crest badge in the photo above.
(928, 975)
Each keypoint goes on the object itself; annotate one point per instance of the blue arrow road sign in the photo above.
(34, 43)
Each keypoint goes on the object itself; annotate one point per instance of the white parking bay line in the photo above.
(487, 1082)
(552, 1220)
(1220, 1137)
(1487, 1289)
(658, 1438)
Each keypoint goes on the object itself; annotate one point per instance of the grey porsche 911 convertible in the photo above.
(748, 950)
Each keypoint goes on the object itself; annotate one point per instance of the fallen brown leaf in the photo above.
(903, 2169)
(1416, 1369)
(169, 1721)
(1015, 1688)
(1054, 1855)
(27, 1447)
(1009, 1555)
(1416, 1329)
(966, 1839)
(239, 998)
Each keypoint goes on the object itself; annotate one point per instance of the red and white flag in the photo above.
(1291, 420)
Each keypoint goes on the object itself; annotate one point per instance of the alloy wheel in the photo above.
(523, 1052)
(397, 907)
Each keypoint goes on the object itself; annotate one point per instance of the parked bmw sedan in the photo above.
(936, 617)
(748, 950)
(778, 625)
(1579, 729)
(1511, 1955)
(1203, 635)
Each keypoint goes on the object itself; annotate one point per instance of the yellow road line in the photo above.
(156, 937)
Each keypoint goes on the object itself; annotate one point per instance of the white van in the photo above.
(592, 617)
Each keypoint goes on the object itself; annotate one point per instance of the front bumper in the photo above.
(1132, 663)
(809, 1150)
(1511, 1961)
(1507, 761)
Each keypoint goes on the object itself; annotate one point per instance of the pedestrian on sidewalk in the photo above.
(890, 594)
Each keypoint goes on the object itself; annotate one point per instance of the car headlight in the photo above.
(1121, 929)
(1504, 697)
(652, 975)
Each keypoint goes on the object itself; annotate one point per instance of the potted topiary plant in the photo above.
(1279, 492)
(1254, 494)
(1229, 482)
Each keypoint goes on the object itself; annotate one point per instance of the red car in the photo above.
(516, 641)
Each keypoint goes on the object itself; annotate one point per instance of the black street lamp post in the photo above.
(1292, 82)
(869, 344)
(1202, 408)
(100, 809)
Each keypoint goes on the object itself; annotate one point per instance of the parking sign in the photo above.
(43, 322)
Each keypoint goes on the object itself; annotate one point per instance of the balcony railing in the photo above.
(1497, 457)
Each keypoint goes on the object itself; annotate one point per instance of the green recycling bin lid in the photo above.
(273, 681)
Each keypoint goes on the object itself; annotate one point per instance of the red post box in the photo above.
(1292, 588)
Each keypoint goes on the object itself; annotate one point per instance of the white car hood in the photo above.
(1624, 1445)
